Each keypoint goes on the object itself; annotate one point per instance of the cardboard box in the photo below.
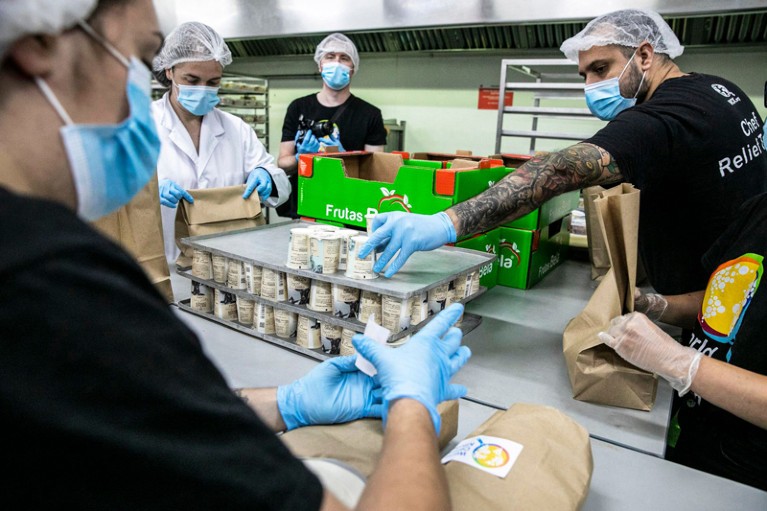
(346, 186)
(526, 256)
(486, 242)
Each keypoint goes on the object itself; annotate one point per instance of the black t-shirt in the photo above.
(108, 401)
(694, 150)
(732, 327)
(358, 124)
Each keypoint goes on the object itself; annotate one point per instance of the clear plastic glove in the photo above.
(333, 392)
(259, 180)
(638, 340)
(651, 305)
(423, 367)
(333, 140)
(406, 233)
(309, 145)
(171, 193)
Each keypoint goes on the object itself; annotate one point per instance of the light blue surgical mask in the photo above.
(604, 98)
(197, 99)
(111, 162)
(336, 75)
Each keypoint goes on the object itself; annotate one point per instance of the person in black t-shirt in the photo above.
(108, 400)
(721, 426)
(691, 143)
(340, 119)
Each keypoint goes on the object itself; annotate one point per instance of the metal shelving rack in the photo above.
(553, 80)
(247, 98)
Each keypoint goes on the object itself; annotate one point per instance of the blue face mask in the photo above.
(111, 163)
(197, 99)
(604, 98)
(336, 75)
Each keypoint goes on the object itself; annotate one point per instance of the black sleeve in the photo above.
(109, 401)
(636, 140)
(376, 131)
(290, 125)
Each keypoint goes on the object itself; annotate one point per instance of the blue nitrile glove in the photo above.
(259, 180)
(406, 233)
(171, 193)
(333, 140)
(308, 145)
(335, 391)
(421, 369)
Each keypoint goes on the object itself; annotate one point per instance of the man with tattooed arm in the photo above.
(692, 143)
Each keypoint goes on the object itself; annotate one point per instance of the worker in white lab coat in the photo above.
(203, 147)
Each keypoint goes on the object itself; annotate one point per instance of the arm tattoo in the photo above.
(535, 182)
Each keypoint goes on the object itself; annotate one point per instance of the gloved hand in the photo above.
(259, 180)
(422, 368)
(406, 233)
(308, 145)
(333, 140)
(638, 340)
(171, 193)
(335, 391)
(651, 305)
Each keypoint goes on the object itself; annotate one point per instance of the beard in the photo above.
(631, 86)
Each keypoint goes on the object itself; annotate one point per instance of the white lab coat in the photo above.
(229, 151)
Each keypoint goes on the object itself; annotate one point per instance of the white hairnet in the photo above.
(337, 43)
(192, 42)
(23, 17)
(628, 27)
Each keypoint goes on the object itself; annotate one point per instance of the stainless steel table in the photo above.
(517, 356)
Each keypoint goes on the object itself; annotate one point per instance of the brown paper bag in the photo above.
(358, 443)
(600, 260)
(552, 473)
(597, 373)
(214, 210)
(138, 229)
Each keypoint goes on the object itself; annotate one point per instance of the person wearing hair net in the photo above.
(350, 123)
(108, 398)
(202, 146)
(690, 142)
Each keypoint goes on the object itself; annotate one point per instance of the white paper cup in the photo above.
(323, 228)
(472, 283)
(220, 268)
(398, 342)
(253, 276)
(298, 248)
(370, 304)
(308, 333)
(461, 286)
(356, 268)
(298, 289)
(324, 252)
(235, 275)
(438, 298)
(347, 348)
(273, 285)
(263, 319)
(225, 305)
(330, 337)
(346, 301)
(202, 297)
(343, 256)
(369, 222)
(285, 323)
(321, 296)
(202, 265)
(245, 310)
(420, 308)
(395, 313)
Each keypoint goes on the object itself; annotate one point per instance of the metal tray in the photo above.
(268, 246)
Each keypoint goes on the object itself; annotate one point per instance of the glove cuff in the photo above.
(683, 385)
(287, 404)
(436, 419)
(450, 234)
